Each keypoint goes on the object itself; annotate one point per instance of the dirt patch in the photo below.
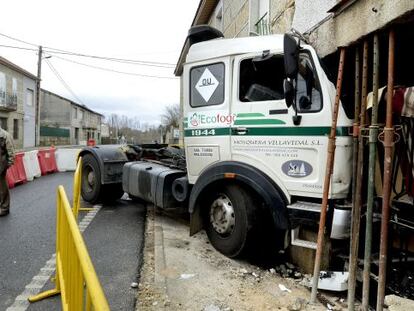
(194, 276)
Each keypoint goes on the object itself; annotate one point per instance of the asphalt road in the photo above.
(27, 240)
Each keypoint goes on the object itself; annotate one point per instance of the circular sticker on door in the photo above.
(297, 168)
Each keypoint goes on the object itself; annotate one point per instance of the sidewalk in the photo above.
(186, 273)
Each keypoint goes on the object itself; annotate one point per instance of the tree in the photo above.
(171, 116)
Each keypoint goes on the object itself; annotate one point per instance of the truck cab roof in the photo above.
(225, 47)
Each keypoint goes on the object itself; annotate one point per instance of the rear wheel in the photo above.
(91, 189)
(91, 179)
(229, 219)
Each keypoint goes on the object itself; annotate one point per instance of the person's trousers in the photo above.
(4, 193)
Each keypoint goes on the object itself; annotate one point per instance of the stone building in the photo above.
(64, 122)
(17, 103)
(325, 24)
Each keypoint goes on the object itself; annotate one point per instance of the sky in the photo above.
(144, 30)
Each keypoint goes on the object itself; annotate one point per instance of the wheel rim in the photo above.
(89, 178)
(222, 217)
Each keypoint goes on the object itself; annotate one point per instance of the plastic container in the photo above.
(47, 161)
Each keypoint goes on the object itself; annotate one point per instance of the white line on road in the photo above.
(21, 303)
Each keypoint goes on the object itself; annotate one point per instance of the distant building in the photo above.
(17, 103)
(64, 122)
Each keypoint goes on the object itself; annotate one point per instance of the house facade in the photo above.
(64, 122)
(17, 103)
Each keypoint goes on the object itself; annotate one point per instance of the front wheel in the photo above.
(229, 219)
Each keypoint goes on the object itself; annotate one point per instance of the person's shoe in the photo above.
(4, 212)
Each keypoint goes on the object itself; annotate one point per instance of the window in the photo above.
(29, 97)
(80, 114)
(75, 113)
(3, 123)
(309, 98)
(2, 88)
(207, 85)
(261, 78)
(259, 17)
(15, 129)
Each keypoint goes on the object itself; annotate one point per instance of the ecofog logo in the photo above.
(211, 119)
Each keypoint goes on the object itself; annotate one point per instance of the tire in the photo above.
(112, 192)
(236, 234)
(91, 188)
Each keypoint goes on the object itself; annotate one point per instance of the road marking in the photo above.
(21, 302)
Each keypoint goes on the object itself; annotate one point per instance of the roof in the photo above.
(13, 66)
(72, 102)
(202, 16)
(224, 47)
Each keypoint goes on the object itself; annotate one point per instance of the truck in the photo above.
(256, 119)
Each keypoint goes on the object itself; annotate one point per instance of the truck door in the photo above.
(207, 118)
(263, 133)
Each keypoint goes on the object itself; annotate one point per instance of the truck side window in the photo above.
(261, 78)
(207, 85)
(309, 98)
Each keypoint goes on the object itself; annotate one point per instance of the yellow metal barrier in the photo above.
(77, 182)
(76, 279)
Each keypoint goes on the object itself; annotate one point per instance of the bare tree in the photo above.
(171, 116)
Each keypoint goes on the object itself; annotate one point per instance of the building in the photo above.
(64, 122)
(325, 24)
(17, 103)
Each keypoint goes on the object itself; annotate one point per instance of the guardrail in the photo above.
(76, 280)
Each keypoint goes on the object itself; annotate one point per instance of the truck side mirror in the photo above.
(291, 56)
(289, 92)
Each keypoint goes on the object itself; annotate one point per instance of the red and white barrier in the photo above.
(31, 165)
(35, 163)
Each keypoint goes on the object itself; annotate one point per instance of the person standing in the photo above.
(6, 160)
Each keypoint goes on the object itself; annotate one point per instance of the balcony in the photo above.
(8, 102)
(263, 26)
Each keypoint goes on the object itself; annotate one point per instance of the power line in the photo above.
(113, 70)
(19, 40)
(56, 73)
(17, 47)
(122, 60)
(113, 59)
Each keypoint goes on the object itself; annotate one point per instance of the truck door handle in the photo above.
(240, 130)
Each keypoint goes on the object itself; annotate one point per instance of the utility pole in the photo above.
(39, 74)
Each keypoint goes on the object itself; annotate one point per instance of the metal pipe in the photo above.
(386, 190)
(356, 216)
(327, 181)
(373, 139)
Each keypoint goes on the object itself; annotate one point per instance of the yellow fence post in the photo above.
(77, 183)
(76, 279)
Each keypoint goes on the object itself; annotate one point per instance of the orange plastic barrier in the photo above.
(16, 174)
(47, 161)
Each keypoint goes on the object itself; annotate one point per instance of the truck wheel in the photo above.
(112, 192)
(229, 219)
(91, 179)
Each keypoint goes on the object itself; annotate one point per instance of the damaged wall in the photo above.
(357, 21)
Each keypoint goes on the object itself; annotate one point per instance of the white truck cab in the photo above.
(240, 122)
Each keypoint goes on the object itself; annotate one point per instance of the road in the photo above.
(27, 241)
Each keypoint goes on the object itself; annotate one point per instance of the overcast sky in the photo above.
(148, 30)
